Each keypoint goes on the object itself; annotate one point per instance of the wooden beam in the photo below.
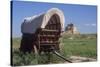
(48, 30)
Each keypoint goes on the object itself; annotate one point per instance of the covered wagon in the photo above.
(42, 32)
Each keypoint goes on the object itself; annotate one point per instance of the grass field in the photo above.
(84, 45)
(81, 45)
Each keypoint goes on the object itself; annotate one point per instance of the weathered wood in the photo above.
(48, 37)
(49, 30)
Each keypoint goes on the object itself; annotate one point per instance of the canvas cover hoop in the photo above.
(31, 24)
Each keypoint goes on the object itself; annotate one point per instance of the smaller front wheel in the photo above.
(36, 54)
(35, 49)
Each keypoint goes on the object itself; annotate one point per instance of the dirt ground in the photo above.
(77, 59)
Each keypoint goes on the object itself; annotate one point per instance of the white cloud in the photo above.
(93, 24)
(87, 24)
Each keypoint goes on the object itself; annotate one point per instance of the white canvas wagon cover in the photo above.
(31, 24)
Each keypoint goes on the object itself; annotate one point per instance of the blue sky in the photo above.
(83, 16)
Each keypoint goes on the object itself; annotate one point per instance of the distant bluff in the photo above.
(71, 29)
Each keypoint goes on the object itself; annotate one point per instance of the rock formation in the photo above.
(71, 29)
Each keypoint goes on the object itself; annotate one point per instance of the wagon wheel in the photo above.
(36, 54)
(35, 49)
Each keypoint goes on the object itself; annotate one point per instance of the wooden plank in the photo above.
(38, 40)
(50, 36)
(48, 30)
(47, 35)
(48, 42)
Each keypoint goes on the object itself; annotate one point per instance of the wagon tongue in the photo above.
(55, 52)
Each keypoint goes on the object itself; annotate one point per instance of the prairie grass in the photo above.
(84, 45)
